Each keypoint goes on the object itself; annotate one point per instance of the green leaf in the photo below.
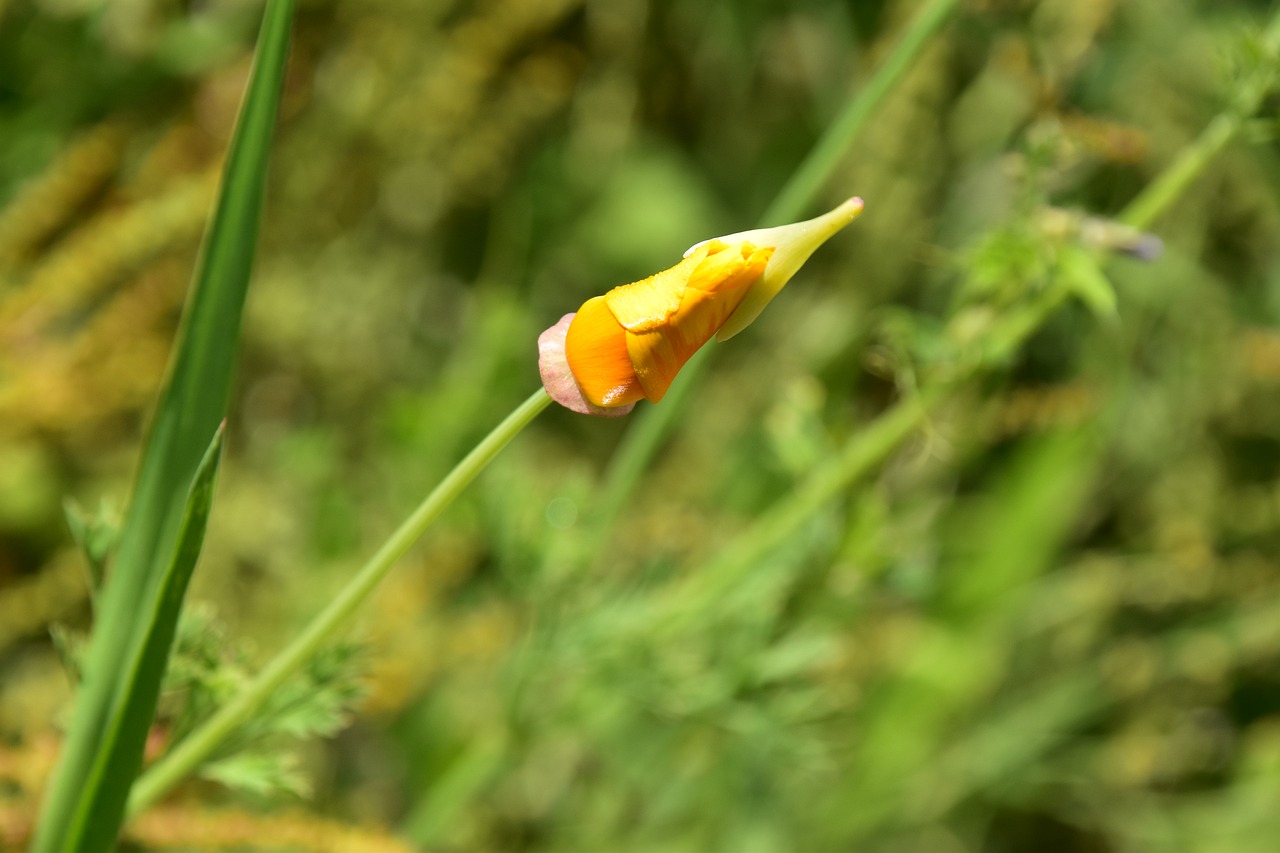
(70, 648)
(316, 702)
(260, 774)
(98, 816)
(84, 805)
(143, 681)
(96, 536)
(1086, 279)
(1015, 533)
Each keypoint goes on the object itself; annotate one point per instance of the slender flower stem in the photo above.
(201, 743)
(1193, 159)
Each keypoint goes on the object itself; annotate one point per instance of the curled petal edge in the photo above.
(553, 367)
(793, 244)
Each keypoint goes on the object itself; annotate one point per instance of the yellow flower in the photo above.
(630, 343)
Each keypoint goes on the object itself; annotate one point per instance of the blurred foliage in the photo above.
(207, 668)
(1052, 621)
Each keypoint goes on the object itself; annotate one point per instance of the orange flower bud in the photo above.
(630, 343)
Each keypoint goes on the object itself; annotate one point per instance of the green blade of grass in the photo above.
(821, 163)
(112, 708)
(97, 820)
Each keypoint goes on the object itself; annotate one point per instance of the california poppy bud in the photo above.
(630, 343)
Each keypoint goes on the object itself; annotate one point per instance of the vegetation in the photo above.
(967, 544)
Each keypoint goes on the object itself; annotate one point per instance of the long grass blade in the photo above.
(105, 728)
(101, 814)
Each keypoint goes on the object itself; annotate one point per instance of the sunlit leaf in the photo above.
(103, 753)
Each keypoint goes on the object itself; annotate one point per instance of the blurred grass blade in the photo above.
(821, 163)
(112, 708)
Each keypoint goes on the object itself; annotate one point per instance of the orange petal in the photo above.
(715, 289)
(596, 350)
(557, 378)
(646, 304)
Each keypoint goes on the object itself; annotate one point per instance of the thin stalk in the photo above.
(201, 743)
(865, 449)
(822, 161)
(645, 436)
(1225, 127)
(861, 454)
(1173, 182)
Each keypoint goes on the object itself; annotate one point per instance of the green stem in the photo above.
(865, 449)
(201, 743)
(822, 161)
(648, 432)
(1194, 158)
(1173, 181)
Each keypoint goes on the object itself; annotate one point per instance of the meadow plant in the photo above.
(870, 663)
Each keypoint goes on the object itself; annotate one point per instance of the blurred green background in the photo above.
(1051, 620)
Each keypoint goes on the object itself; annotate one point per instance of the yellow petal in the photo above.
(596, 349)
(793, 244)
(647, 304)
(715, 289)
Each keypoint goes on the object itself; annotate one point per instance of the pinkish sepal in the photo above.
(553, 366)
